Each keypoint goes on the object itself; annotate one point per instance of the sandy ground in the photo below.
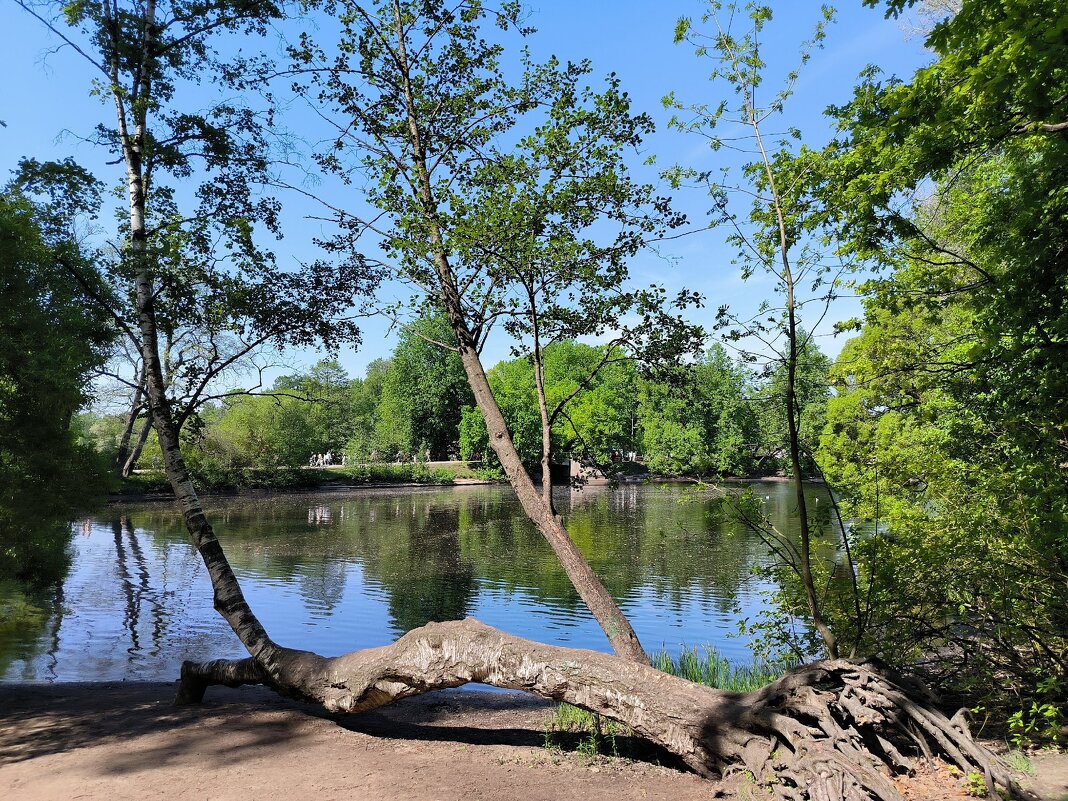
(125, 741)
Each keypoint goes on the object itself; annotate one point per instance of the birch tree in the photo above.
(194, 259)
(830, 730)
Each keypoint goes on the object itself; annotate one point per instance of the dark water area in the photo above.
(342, 571)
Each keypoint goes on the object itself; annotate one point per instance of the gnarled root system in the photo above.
(830, 731)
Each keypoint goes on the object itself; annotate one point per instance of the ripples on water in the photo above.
(334, 573)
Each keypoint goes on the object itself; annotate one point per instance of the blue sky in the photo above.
(46, 107)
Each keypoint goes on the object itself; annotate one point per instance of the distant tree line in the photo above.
(712, 417)
(943, 428)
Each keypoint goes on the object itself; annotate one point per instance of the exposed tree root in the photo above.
(830, 731)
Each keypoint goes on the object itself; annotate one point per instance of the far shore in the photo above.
(241, 492)
(151, 485)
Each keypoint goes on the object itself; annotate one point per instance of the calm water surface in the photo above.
(334, 573)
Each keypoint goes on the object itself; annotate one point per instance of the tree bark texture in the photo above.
(598, 600)
(831, 731)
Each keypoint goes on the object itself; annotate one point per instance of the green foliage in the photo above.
(49, 346)
(423, 393)
(510, 204)
(947, 433)
(1038, 725)
(975, 785)
(1018, 761)
(705, 418)
(707, 667)
(702, 423)
(596, 734)
(261, 440)
(263, 432)
(600, 414)
(366, 395)
(191, 235)
(934, 481)
(781, 235)
(813, 392)
(985, 124)
(404, 473)
(474, 439)
(516, 394)
(406, 406)
(214, 475)
(326, 399)
(145, 482)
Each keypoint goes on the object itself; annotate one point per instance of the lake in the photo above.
(341, 571)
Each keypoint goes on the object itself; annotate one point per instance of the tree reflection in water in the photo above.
(344, 571)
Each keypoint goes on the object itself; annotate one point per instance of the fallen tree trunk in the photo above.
(831, 730)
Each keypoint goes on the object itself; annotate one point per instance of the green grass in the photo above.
(597, 735)
(283, 478)
(589, 734)
(144, 483)
(408, 473)
(709, 668)
(394, 473)
(1019, 761)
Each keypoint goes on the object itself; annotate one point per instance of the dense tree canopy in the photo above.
(50, 342)
(601, 412)
(505, 203)
(423, 393)
(949, 430)
(706, 423)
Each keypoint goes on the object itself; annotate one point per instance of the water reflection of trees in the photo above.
(677, 542)
(138, 588)
(428, 550)
(34, 561)
(417, 560)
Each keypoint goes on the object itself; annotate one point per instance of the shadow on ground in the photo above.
(38, 720)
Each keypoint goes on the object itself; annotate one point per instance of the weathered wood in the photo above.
(807, 735)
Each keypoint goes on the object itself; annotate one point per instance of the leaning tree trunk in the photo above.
(546, 431)
(135, 453)
(598, 600)
(833, 730)
(123, 452)
(839, 729)
(131, 120)
(538, 357)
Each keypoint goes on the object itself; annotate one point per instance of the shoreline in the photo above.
(115, 741)
(251, 492)
(341, 485)
(124, 740)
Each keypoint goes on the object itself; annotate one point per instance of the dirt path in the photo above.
(125, 741)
